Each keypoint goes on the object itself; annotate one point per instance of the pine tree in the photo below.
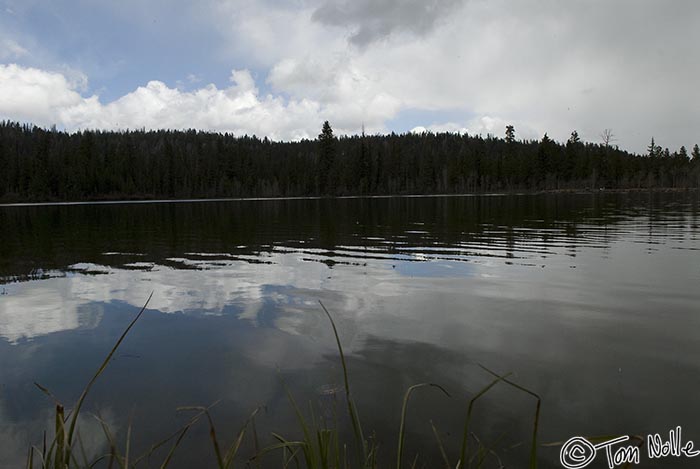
(326, 141)
(696, 153)
(574, 138)
(543, 158)
(683, 153)
(510, 133)
(653, 149)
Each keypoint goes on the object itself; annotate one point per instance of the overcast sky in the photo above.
(281, 67)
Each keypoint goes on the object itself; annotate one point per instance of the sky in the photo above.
(279, 68)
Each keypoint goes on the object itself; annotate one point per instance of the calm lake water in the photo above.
(590, 300)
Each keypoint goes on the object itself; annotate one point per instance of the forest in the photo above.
(38, 164)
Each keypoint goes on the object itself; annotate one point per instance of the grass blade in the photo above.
(533, 447)
(30, 458)
(169, 456)
(83, 395)
(113, 452)
(180, 433)
(82, 449)
(284, 444)
(465, 436)
(308, 447)
(60, 439)
(355, 418)
(402, 426)
(215, 441)
(233, 450)
(128, 442)
(47, 392)
(440, 446)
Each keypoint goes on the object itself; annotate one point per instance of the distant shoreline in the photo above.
(146, 200)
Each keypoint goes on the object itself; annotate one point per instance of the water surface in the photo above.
(591, 300)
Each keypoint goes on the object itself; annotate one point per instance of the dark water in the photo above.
(592, 301)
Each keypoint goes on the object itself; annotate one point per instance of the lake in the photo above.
(590, 300)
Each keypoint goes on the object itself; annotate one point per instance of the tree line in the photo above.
(39, 164)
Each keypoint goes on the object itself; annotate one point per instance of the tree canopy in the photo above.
(44, 165)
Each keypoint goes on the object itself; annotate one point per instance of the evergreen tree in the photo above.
(326, 142)
(363, 172)
(572, 150)
(510, 133)
(653, 150)
(543, 158)
(37, 165)
(683, 153)
(574, 138)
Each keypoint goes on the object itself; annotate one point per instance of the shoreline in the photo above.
(146, 200)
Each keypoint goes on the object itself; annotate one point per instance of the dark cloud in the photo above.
(371, 20)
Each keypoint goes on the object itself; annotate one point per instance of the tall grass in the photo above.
(321, 445)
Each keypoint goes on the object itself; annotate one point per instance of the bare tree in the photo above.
(607, 136)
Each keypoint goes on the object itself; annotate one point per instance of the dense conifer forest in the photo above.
(48, 165)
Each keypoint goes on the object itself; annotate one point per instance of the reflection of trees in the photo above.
(35, 240)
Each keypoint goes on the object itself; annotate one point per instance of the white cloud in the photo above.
(11, 50)
(47, 98)
(36, 95)
(543, 66)
(483, 126)
(350, 96)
